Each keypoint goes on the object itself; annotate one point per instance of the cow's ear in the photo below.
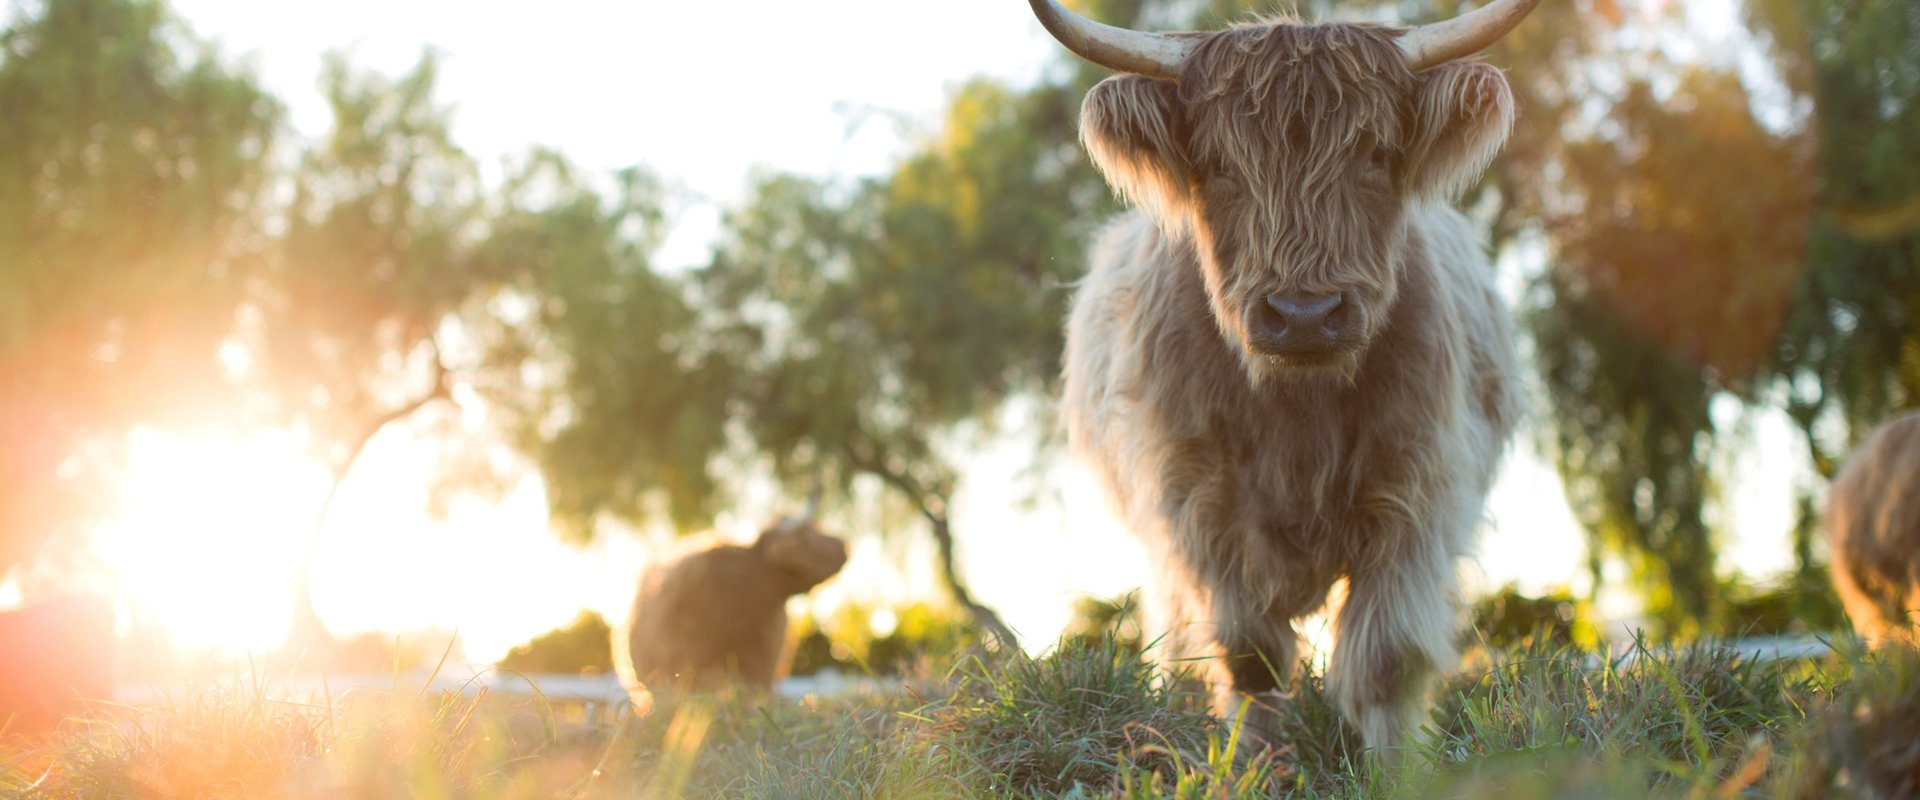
(1462, 114)
(1132, 126)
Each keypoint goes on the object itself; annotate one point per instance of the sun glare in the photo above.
(208, 535)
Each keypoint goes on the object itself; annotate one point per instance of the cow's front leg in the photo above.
(1395, 630)
(1259, 658)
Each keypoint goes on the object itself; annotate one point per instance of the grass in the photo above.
(1089, 721)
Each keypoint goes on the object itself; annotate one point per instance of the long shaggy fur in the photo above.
(718, 616)
(1873, 525)
(1296, 158)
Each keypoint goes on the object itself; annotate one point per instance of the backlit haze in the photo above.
(702, 94)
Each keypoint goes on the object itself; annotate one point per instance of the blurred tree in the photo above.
(132, 164)
(885, 325)
(399, 282)
(1508, 620)
(1850, 351)
(582, 646)
(593, 356)
(1666, 289)
(1096, 618)
(346, 311)
(1707, 237)
(918, 635)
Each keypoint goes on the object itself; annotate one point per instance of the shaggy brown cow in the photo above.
(1291, 366)
(718, 616)
(1873, 525)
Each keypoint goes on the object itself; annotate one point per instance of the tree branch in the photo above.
(943, 537)
(307, 625)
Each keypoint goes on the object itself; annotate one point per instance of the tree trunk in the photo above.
(933, 506)
(986, 617)
(307, 631)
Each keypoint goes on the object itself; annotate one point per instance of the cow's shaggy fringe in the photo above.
(1296, 159)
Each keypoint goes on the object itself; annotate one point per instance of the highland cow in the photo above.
(718, 617)
(1289, 365)
(1873, 525)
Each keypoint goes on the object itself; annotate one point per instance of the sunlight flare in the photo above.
(208, 536)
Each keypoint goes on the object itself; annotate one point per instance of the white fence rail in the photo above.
(590, 689)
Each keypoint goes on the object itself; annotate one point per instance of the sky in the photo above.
(703, 94)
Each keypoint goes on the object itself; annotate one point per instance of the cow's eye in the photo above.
(1375, 161)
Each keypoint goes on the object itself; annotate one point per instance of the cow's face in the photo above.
(801, 554)
(1290, 155)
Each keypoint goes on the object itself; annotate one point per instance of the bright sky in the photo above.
(701, 93)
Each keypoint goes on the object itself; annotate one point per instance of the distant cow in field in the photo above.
(1290, 365)
(54, 656)
(718, 616)
(1873, 525)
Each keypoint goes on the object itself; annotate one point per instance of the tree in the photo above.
(1667, 289)
(1707, 240)
(133, 161)
(1850, 349)
(347, 308)
(879, 321)
(604, 381)
(399, 281)
(583, 645)
(839, 330)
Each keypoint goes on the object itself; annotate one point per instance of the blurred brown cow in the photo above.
(54, 656)
(718, 616)
(1873, 525)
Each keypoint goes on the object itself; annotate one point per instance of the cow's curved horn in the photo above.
(1155, 55)
(1464, 35)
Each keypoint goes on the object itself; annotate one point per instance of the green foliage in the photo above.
(880, 324)
(922, 633)
(1851, 349)
(1788, 607)
(133, 160)
(1664, 290)
(881, 315)
(1507, 619)
(1096, 618)
(586, 645)
(1704, 241)
(148, 276)
(350, 299)
(593, 355)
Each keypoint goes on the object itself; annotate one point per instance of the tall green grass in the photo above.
(1088, 721)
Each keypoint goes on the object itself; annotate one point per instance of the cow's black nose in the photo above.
(1299, 324)
(1307, 312)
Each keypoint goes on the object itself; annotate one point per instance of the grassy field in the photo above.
(1088, 721)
